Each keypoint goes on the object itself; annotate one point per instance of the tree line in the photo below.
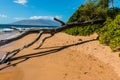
(109, 32)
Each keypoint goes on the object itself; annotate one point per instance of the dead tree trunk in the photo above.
(9, 55)
(52, 30)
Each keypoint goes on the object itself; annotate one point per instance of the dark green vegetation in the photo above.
(109, 32)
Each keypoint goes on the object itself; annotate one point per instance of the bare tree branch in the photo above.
(62, 23)
(6, 41)
(16, 29)
(51, 30)
(14, 52)
(8, 57)
(14, 64)
(43, 40)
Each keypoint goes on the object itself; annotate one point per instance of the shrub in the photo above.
(110, 33)
(115, 43)
(83, 31)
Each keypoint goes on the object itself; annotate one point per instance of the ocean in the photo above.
(6, 27)
(6, 32)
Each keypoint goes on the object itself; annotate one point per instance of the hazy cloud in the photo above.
(22, 2)
(19, 18)
(38, 17)
(3, 16)
(45, 17)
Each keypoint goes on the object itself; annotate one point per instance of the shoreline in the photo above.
(5, 36)
(88, 61)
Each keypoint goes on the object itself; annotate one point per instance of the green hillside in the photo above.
(109, 32)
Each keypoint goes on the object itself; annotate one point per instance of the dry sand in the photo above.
(87, 61)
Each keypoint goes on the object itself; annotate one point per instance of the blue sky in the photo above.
(13, 10)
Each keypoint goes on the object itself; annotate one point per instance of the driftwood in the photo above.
(9, 56)
(52, 30)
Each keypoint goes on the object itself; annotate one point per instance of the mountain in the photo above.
(38, 22)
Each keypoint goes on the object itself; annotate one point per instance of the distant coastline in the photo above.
(24, 26)
(6, 27)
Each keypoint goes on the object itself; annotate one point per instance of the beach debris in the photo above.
(80, 40)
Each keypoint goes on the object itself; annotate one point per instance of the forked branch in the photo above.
(9, 55)
(43, 40)
(51, 30)
(14, 52)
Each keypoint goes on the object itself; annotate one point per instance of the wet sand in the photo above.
(87, 61)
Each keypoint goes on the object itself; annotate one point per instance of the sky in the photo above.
(14, 10)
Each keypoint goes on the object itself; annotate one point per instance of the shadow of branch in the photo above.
(32, 55)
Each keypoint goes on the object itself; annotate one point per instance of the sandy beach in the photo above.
(77, 61)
